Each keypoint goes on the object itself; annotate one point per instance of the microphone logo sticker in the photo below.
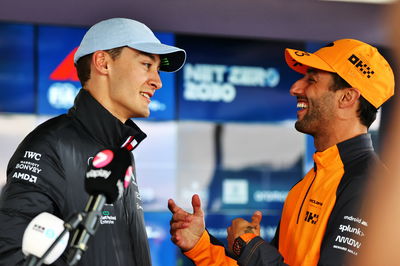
(98, 173)
(50, 233)
(39, 228)
(103, 158)
(128, 176)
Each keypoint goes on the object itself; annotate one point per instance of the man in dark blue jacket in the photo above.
(118, 64)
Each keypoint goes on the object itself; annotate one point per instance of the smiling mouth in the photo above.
(302, 105)
(146, 95)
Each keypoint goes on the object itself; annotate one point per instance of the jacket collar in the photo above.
(344, 152)
(353, 148)
(102, 125)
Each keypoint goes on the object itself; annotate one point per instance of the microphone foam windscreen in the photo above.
(105, 175)
(40, 234)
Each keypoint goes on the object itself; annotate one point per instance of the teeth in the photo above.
(302, 105)
(145, 95)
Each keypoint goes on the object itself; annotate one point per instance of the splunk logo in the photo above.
(62, 92)
(217, 83)
(348, 228)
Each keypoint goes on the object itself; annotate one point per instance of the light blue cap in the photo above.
(119, 32)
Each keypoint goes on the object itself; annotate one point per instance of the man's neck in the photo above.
(324, 141)
(101, 95)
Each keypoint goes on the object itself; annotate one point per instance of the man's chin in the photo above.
(145, 114)
(302, 128)
(299, 126)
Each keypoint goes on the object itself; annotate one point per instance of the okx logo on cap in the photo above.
(358, 63)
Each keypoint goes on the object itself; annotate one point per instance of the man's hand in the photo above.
(240, 226)
(185, 228)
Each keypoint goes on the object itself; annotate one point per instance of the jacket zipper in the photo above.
(301, 207)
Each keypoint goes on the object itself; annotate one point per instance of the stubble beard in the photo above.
(317, 119)
(309, 123)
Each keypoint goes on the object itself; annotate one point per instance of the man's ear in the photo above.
(100, 61)
(348, 97)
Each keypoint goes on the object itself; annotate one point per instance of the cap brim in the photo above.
(301, 61)
(172, 58)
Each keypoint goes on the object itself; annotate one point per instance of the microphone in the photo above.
(40, 235)
(104, 183)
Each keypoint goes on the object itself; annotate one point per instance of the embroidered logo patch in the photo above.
(361, 66)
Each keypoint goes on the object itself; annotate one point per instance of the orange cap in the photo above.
(358, 63)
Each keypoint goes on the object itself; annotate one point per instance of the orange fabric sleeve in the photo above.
(204, 253)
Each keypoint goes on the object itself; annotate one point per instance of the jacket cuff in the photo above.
(200, 246)
(259, 252)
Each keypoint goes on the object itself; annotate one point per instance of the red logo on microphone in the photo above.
(103, 158)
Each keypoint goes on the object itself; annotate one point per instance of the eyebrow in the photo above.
(148, 54)
(311, 71)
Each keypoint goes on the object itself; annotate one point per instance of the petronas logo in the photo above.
(165, 61)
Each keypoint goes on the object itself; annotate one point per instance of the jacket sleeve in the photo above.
(260, 252)
(209, 251)
(345, 232)
(34, 185)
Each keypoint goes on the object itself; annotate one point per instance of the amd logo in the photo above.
(26, 177)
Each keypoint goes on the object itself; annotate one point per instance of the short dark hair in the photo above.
(83, 64)
(366, 111)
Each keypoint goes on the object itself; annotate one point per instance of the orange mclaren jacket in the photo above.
(320, 223)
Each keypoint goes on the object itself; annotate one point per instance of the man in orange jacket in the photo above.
(343, 86)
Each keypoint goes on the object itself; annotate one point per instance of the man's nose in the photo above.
(298, 87)
(155, 81)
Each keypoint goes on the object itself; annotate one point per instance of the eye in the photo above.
(311, 80)
(147, 65)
